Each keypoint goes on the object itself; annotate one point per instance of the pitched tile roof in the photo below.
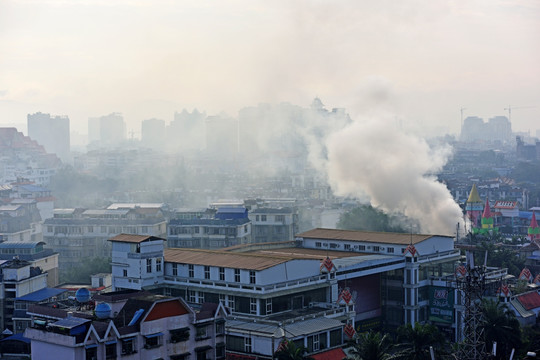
(530, 300)
(248, 261)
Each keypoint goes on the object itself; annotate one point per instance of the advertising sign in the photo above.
(441, 305)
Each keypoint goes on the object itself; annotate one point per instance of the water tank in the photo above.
(82, 295)
(103, 310)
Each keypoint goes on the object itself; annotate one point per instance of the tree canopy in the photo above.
(368, 218)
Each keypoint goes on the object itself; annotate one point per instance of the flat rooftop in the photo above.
(366, 236)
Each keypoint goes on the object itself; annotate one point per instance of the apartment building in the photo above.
(83, 233)
(147, 326)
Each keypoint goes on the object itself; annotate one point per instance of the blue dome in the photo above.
(82, 295)
(103, 310)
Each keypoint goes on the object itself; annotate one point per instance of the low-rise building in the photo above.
(229, 227)
(273, 224)
(35, 254)
(146, 327)
(77, 233)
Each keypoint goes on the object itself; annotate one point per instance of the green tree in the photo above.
(414, 342)
(368, 218)
(288, 350)
(88, 267)
(500, 325)
(371, 345)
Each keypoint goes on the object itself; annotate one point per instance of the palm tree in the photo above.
(288, 350)
(371, 345)
(415, 342)
(500, 325)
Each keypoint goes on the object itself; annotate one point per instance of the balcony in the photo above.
(249, 288)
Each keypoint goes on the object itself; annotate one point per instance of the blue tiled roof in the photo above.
(40, 295)
(18, 337)
(231, 209)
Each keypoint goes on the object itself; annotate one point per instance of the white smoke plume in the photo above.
(368, 159)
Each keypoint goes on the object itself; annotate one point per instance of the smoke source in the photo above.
(373, 160)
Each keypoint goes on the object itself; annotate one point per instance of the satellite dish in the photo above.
(82, 295)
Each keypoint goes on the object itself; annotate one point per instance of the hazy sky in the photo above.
(145, 59)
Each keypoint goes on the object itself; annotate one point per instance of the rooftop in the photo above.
(366, 236)
(131, 238)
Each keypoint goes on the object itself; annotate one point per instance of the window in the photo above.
(334, 246)
(201, 333)
(222, 274)
(148, 265)
(268, 306)
(158, 264)
(153, 341)
(90, 229)
(207, 272)
(110, 350)
(376, 248)
(361, 247)
(191, 270)
(237, 275)
(280, 218)
(253, 306)
(175, 269)
(128, 346)
(220, 351)
(335, 337)
(91, 352)
(179, 335)
(252, 278)
(220, 327)
(256, 217)
(125, 272)
(231, 302)
(192, 296)
(200, 297)
(318, 244)
(263, 217)
(390, 250)
(222, 299)
(247, 345)
(347, 247)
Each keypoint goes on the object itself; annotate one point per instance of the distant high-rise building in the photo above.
(93, 129)
(112, 129)
(498, 129)
(187, 131)
(222, 136)
(51, 132)
(107, 131)
(153, 133)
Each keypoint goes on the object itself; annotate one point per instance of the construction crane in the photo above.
(510, 108)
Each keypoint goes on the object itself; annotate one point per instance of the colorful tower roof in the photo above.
(487, 222)
(534, 230)
(487, 211)
(473, 195)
